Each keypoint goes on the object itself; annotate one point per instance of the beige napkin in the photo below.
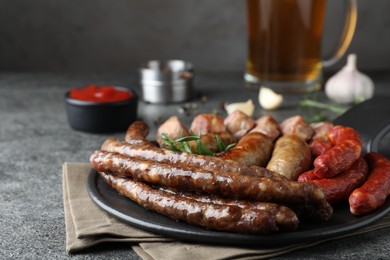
(88, 225)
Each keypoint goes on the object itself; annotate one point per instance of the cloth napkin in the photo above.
(88, 225)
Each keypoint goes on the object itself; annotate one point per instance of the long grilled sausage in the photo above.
(210, 212)
(346, 150)
(208, 163)
(231, 185)
(253, 149)
(291, 157)
(374, 192)
(339, 188)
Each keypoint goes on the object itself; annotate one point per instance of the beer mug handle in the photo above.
(348, 32)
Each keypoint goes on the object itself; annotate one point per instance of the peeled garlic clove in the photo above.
(349, 84)
(246, 107)
(268, 99)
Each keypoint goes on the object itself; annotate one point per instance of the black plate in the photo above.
(342, 221)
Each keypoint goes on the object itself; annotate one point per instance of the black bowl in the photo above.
(101, 117)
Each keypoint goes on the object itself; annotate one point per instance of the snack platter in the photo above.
(341, 223)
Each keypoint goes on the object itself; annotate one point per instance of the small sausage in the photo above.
(267, 125)
(296, 125)
(173, 128)
(137, 132)
(238, 124)
(339, 134)
(337, 159)
(252, 149)
(230, 218)
(207, 123)
(338, 188)
(291, 157)
(374, 192)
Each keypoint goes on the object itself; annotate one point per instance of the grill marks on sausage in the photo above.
(231, 185)
(213, 213)
(208, 163)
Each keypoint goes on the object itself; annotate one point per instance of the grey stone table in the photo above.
(35, 140)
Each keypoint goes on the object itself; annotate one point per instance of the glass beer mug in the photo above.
(284, 43)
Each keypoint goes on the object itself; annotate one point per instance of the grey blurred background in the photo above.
(108, 36)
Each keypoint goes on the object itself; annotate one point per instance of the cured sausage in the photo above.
(253, 149)
(209, 212)
(339, 188)
(346, 150)
(374, 192)
(231, 185)
(337, 159)
(291, 157)
(267, 125)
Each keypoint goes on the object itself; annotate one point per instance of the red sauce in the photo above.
(96, 93)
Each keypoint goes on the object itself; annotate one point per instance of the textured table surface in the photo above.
(35, 140)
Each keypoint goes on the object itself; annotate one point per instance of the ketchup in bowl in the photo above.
(94, 93)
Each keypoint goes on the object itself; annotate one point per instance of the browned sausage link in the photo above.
(229, 218)
(291, 157)
(252, 149)
(208, 163)
(285, 218)
(338, 188)
(137, 132)
(374, 192)
(230, 185)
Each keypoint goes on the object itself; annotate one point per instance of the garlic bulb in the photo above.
(246, 107)
(268, 99)
(349, 84)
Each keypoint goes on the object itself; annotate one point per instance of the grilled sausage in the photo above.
(296, 125)
(374, 192)
(173, 128)
(238, 124)
(208, 163)
(339, 188)
(253, 149)
(207, 123)
(231, 185)
(209, 212)
(291, 157)
(321, 130)
(267, 125)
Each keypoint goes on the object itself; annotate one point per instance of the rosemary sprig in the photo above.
(181, 144)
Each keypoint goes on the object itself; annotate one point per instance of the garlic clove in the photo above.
(349, 85)
(246, 107)
(269, 100)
